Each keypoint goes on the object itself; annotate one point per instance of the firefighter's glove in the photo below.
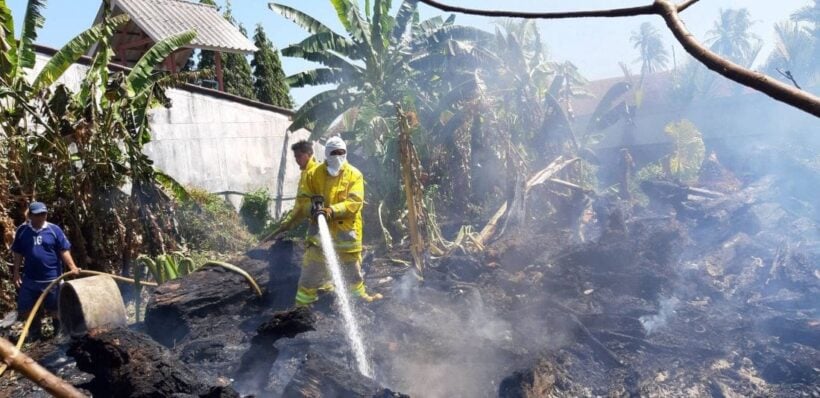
(326, 211)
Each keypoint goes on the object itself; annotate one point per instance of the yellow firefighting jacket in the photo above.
(298, 214)
(344, 194)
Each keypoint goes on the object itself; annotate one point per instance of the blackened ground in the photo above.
(257, 361)
(705, 297)
(129, 364)
(716, 300)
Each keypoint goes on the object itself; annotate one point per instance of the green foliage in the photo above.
(255, 210)
(140, 77)
(269, 79)
(75, 49)
(208, 223)
(684, 163)
(32, 21)
(77, 150)
(165, 267)
(237, 75)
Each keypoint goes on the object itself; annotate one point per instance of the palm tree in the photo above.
(732, 38)
(792, 54)
(647, 40)
(810, 17)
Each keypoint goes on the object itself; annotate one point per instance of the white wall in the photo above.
(220, 145)
(217, 144)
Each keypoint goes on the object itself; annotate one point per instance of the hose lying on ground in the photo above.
(239, 271)
(32, 314)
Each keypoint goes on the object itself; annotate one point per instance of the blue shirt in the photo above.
(41, 250)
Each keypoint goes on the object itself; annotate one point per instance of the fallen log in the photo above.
(189, 307)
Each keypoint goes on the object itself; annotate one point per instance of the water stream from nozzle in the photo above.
(353, 332)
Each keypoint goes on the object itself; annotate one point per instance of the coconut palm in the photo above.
(811, 15)
(647, 40)
(809, 18)
(732, 38)
(792, 54)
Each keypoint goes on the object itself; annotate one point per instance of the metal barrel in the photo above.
(91, 303)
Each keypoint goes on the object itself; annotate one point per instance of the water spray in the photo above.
(353, 332)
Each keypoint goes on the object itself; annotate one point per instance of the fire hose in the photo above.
(8, 359)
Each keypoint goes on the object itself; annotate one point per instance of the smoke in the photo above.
(444, 344)
(652, 323)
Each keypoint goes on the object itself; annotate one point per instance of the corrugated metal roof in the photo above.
(160, 19)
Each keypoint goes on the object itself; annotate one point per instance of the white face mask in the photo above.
(334, 164)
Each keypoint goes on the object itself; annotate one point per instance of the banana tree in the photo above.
(77, 150)
(19, 96)
(373, 68)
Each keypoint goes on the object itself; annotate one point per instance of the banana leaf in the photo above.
(403, 16)
(172, 185)
(140, 79)
(33, 21)
(301, 19)
(152, 267)
(75, 49)
(597, 122)
(315, 77)
(8, 44)
(357, 27)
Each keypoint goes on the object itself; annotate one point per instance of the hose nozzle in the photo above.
(318, 206)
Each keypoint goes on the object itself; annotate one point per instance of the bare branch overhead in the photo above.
(669, 11)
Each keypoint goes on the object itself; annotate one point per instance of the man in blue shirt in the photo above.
(44, 248)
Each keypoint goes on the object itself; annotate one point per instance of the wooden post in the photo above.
(169, 63)
(218, 60)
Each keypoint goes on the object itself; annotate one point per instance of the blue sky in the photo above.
(595, 45)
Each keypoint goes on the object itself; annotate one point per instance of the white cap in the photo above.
(334, 143)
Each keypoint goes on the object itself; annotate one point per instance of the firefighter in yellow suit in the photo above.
(342, 187)
(303, 153)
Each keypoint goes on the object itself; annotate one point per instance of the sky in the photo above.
(596, 46)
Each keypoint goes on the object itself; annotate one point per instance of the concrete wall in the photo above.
(219, 144)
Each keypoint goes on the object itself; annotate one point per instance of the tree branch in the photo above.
(611, 13)
(669, 12)
(686, 4)
(774, 88)
(788, 75)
